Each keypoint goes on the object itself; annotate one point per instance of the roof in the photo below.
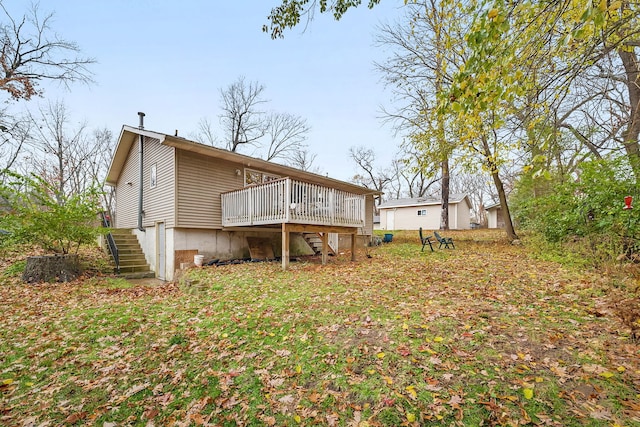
(492, 206)
(422, 201)
(129, 136)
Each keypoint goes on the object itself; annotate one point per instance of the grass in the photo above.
(486, 334)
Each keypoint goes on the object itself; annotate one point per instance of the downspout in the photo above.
(141, 186)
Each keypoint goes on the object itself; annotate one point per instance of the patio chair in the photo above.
(446, 241)
(425, 241)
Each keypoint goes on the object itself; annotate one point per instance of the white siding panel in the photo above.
(407, 218)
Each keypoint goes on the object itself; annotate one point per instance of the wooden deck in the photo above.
(295, 206)
(292, 202)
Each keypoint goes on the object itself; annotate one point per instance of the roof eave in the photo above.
(253, 162)
(126, 139)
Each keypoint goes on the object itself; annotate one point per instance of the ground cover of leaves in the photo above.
(484, 334)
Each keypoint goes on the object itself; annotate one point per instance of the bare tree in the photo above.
(303, 160)
(241, 119)
(103, 144)
(274, 135)
(32, 52)
(206, 133)
(61, 154)
(376, 179)
(14, 134)
(286, 134)
(478, 188)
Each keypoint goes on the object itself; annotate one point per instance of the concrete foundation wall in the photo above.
(218, 244)
(213, 244)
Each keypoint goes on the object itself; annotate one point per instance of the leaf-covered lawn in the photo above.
(481, 335)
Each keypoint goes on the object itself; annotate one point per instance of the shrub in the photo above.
(34, 213)
(587, 206)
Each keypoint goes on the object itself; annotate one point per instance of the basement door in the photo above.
(161, 251)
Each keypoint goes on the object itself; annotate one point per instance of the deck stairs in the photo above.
(133, 264)
(315, 243)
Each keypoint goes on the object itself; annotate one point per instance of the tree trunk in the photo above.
(631, 133)
(444, 216)
(53, 268)
(508, 225)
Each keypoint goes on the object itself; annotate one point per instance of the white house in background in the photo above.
(495, 217)
(411, 214)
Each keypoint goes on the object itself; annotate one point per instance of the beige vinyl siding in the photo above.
(126, 215)
(158, 202)
(368, 220)
(201, 180)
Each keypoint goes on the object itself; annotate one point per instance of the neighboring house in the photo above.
(495, 218)
(425, 212)
(179, 197)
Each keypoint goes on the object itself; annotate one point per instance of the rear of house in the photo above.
(170, 193)
(413, 213)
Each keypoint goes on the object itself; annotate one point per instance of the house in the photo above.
(425, 212)
(180, 197)
(495, 218)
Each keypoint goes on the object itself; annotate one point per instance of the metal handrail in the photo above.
(111, 243)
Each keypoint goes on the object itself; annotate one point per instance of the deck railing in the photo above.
(290, 201)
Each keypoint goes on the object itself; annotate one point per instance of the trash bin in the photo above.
(198, 260)
(388, 237)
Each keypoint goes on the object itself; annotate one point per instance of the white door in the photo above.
(161, 251)
(391, 220)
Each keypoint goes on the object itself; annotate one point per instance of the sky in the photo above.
(169, 59)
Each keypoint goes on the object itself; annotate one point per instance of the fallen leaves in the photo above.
(484, 334)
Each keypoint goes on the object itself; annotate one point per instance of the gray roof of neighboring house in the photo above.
(421, 201)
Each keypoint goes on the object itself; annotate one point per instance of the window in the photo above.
(256, 177)
(153, 178)
(422, 212)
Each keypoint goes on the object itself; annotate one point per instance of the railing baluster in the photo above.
(272, 203)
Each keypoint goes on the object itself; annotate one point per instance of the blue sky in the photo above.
(170, 59)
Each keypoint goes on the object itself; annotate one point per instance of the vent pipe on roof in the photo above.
(141, 164)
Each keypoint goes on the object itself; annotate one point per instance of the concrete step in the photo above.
(128, 247)
(132, 260)
(139, 259)
(137, 275)
(135, 268)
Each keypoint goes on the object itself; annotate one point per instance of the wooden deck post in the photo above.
(285, 247)
(325, 248)
(353, 246)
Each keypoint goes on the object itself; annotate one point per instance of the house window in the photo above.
(153, 178)
(422, 212)
(256, 177)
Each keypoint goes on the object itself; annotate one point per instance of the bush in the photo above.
(587, 207)
(35, 213)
